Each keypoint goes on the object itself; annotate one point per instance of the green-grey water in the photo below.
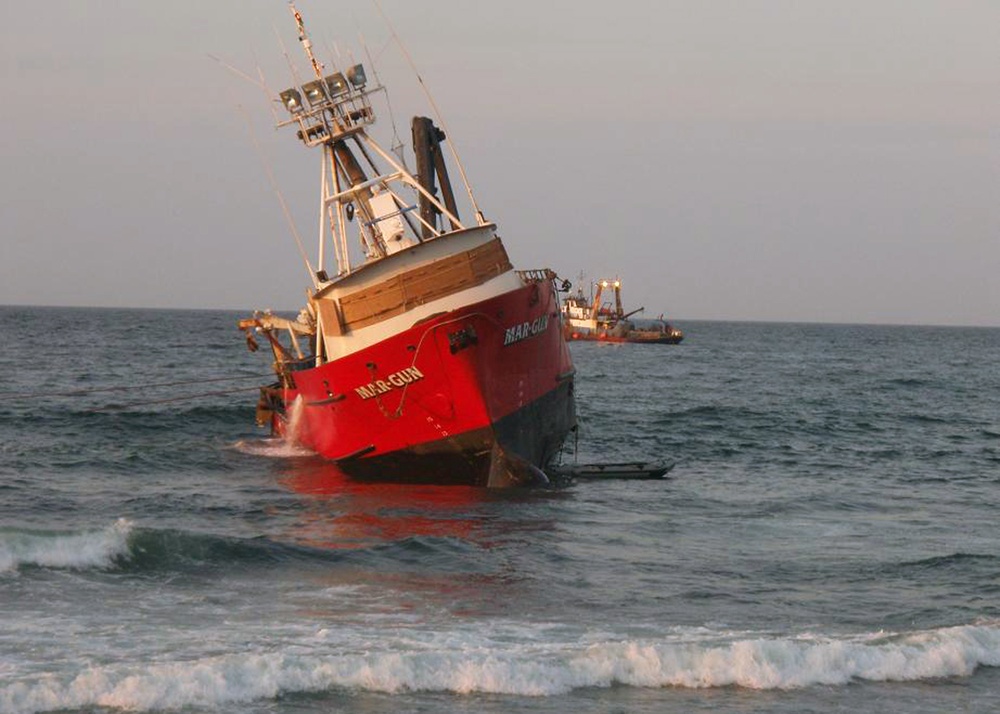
(826, 542)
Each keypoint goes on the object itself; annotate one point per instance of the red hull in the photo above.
(605, 337)
(481, 395)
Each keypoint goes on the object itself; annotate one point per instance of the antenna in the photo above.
(237, 72)
(306, 42)
(267, 92)
(256, 82)
(284, 52)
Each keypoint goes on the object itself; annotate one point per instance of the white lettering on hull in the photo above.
(396, 380)
(525, 330)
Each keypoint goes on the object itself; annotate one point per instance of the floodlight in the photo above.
(336, 84)
(356, 75)
(314, 92)
(292, 100)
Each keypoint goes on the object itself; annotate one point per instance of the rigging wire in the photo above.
(238, 72)
(281, 199)
(168, 400)
(20, 396)
(263, 159)
(437, 112)
(396, 146)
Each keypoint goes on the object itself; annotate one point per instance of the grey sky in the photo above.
(728, 159)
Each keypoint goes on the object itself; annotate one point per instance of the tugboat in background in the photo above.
(591, 319)
(422, 355)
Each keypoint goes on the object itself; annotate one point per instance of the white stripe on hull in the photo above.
(337, 347)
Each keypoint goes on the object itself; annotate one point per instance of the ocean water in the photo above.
(827, 541)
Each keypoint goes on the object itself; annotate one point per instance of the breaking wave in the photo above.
(124, 548)
(472, 664)
(89, 549)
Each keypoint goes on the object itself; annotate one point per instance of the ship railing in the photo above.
(541, 275)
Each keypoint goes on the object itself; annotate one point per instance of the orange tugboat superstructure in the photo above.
(429, 358)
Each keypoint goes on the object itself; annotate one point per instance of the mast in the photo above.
(595, 305)
(305, 41)
(427, 140)
(332, 112)
(619, 310)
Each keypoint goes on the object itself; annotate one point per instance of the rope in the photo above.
(17, 396)
(129, 405)
(416, 353)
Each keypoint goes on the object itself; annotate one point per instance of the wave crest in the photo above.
(794, 664)
(88, 549)
(524, 669)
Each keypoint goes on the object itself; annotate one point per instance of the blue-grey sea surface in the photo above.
(827, 541)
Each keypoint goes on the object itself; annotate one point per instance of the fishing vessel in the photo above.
(425, 356)
(591, 319)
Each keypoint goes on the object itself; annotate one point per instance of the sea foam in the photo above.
(284, 447)
(520, 669)
(272, 447)
(88, 549)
